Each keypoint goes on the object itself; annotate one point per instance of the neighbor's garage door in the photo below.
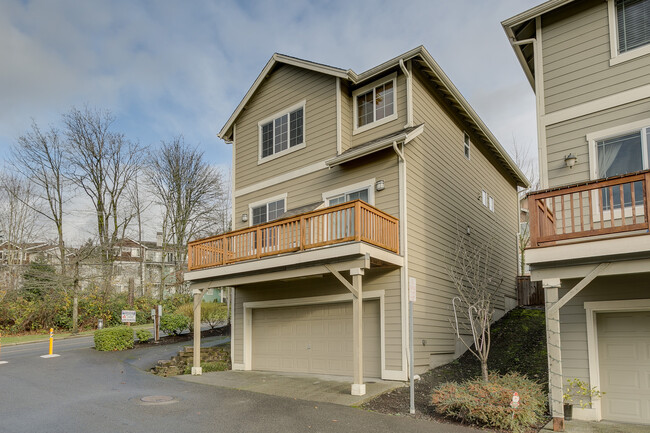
(314, 339)
(624, 356)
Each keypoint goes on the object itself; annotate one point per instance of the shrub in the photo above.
(116, 338)
(211, 312)
(210, 366)
(488, 403)
(174, 323)
(143, 335)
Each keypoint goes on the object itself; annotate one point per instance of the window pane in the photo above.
(276, 209)
(619, 155)
(336, 200)
(384, 100)
(295, 127)
(281, 133)
(364, 109)
(633, 19)
(362, 195)
(267, 139)
(259, 215)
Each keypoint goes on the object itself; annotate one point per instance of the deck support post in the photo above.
(196, 351)
(556, 403)
(358, 387)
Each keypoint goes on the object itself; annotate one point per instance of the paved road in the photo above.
(92, 392)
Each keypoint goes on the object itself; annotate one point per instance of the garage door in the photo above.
(624, 356)
(314, 339)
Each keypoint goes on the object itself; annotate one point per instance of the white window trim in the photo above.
(355, 121)
(484, 198)
(260, 159)
(615, 57)
(370, 184)
(491, 204)
(615, 131)
(467, 146)
(266, 201)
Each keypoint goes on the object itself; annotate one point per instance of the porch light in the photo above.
(379, 186)
(570, 160)
(244, 217)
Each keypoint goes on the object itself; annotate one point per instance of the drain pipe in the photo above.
(404, 247)
(409, 94)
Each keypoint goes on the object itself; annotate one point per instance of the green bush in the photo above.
(211, 312)
(143, 335)
(116, 338)
(488, 404)
(174, 323)
(210, 366)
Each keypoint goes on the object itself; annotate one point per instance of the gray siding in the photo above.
(444, 195)
(576, 54)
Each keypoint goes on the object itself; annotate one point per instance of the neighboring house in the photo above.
(328, 165)
(14, 259)
(589, 65)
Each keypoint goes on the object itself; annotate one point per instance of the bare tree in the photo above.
(102, 164)
(528, 167)
(477, 280)
(189, 191)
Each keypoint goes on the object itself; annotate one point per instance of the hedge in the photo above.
(116, 338)
(174, 323)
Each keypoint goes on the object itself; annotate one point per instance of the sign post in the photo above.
(155, 315)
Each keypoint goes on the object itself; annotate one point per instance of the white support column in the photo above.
(196, 352)
(358, 387)
(556, 402)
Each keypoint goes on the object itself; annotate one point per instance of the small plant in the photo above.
(116, 338)
(578, 389)
(210, 366)
(143, 335)
(174, 323)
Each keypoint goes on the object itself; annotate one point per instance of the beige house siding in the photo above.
(573, 318)
(442, 200)
(576, 54)
(308, 189)
(285, 87)
(570, 136)
(388, 281)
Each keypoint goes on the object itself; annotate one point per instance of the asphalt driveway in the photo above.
(88, 391)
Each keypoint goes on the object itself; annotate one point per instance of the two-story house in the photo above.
(349, 194)
(588, 62)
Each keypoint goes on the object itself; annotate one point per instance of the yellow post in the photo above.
(51, 339)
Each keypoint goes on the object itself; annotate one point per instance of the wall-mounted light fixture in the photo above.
(469, 230)
(379, 186)
(570, 160)
(244, 217)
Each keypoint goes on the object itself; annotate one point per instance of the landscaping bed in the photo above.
(212, 359)
(518, 345)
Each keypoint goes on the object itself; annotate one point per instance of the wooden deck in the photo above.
(352, 221)
(616, 206)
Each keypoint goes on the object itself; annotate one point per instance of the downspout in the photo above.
(409, 94)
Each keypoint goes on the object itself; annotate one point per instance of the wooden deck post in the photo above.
(556, 400)
(358, 387)
(196, 351)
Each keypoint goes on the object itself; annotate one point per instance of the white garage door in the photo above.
(314, 339)
(624, 356)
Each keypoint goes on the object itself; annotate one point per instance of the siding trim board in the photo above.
(282, 178)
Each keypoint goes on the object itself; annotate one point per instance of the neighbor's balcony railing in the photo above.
(601, 207)
(352, 221)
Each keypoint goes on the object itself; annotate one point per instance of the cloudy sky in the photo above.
(181, 67)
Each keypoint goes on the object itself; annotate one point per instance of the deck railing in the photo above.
(609, 206)
(352, 221)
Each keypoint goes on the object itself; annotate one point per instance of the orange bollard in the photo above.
(51, 339)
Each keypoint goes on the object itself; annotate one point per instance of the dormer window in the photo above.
(282, 133)
(375, 104)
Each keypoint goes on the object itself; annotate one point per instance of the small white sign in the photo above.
(128, 316)
(412, 285)
(515, 401)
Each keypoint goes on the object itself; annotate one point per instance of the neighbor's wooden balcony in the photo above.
(612, 206)
(347, 222)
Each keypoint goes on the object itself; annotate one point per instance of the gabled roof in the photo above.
(431, 69)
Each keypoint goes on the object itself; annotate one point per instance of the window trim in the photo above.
(262, 159)
(369, 184)
(467, 146)
(266, 202)
(355, 120)
(615, 57)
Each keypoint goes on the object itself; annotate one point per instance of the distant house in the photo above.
(328, 167)
(589, 65)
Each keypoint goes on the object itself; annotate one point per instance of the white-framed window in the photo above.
(282, 133)
(491, 203)
(466, 144)
(375, 104)
(267, 210)
(629, 24)
(361, 190)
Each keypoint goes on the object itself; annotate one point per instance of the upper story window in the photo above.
(282, 133)
(633, 24)
(375, 104)
(361, 194)
(466, 144)
(268, 210)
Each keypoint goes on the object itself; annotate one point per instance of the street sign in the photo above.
(128, 316)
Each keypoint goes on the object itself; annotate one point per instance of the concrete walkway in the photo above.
(327, 389)
(575, 426)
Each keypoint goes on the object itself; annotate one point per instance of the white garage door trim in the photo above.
(312, 300)
(592, 308)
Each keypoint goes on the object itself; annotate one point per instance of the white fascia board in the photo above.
(534, 12)
(589, 250)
